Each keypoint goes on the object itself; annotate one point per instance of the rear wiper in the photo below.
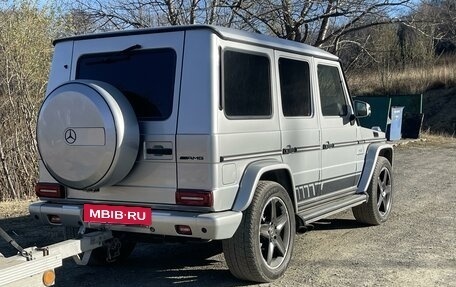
(129, 49)
(115, 56)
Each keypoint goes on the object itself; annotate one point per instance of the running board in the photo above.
(325, 209)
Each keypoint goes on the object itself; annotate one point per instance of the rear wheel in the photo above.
(261, 248)
(117, 249)
(378, 207)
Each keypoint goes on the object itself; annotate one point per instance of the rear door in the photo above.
(300, 133)
(338, 134)
(146, 69)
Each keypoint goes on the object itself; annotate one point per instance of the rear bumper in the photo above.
(217, 225)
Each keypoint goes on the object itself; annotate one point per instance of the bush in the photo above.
(25, 53)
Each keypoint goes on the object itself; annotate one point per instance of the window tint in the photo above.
(146, 78)
(246, 85)
(295, 87)
(332, 96)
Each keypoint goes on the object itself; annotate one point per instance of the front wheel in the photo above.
(261, 248)
(378, 207)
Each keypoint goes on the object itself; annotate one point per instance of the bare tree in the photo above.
(123, 14)
(322, 23)
(436, 19)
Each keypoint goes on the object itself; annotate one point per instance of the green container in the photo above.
(380, 106)
(413, 104)
(381, 109)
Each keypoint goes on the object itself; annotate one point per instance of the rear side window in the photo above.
(332, 95)
(145, 77)
(295, 87)
(246, 85)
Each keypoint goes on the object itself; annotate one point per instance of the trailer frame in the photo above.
(30, 266)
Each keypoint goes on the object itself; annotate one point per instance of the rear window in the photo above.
(145, 77)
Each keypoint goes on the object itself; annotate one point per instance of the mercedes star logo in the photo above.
(70, 136)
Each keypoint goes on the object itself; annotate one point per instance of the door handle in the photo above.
(159, 151)
(288, 149)
(328, 145)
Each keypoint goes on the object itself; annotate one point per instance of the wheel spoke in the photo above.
(380, 186)
(387, 190)
(385, 179)
(280, 222)
(273, 210)
(384, 190)
(281, 246)
(384, 203)
(270, 253)
(381, 179)
(380, 199)
(264, 230)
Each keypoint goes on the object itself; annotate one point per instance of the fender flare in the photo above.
(370, 160)
(250, 179)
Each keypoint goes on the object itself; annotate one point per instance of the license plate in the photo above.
(112, 214)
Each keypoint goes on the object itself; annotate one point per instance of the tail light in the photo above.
(183, 229)
(45, 189)
(194, 197)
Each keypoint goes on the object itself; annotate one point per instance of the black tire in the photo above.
(262, 246)
(378, 207)
(99, 255)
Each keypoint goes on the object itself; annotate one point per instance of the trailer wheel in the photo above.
(119, 245)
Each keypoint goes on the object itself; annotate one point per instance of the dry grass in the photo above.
(438, 136)
(409, 81)
(436, 140)
(16, 208)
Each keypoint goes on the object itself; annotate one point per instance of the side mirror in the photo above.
(362, 109)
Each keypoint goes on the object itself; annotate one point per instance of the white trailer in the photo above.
(35, 266)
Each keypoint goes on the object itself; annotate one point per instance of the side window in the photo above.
(246, 85)
(332, 98)
(295, 87)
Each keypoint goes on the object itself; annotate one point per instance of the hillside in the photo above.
(439, 106)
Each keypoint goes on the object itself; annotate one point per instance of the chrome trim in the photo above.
(249, 155)
(383, 140)
(352, 143)
(308, 148)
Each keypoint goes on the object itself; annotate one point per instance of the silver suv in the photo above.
(202, 132)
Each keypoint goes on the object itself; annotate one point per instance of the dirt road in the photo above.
(416, 247)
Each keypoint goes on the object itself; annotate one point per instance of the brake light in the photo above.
(194, 197)
(45, 189)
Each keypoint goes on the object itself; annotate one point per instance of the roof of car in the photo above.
(222, 32)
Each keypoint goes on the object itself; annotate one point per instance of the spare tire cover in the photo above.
(88, 134)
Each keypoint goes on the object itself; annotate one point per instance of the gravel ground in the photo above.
(416, 247)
